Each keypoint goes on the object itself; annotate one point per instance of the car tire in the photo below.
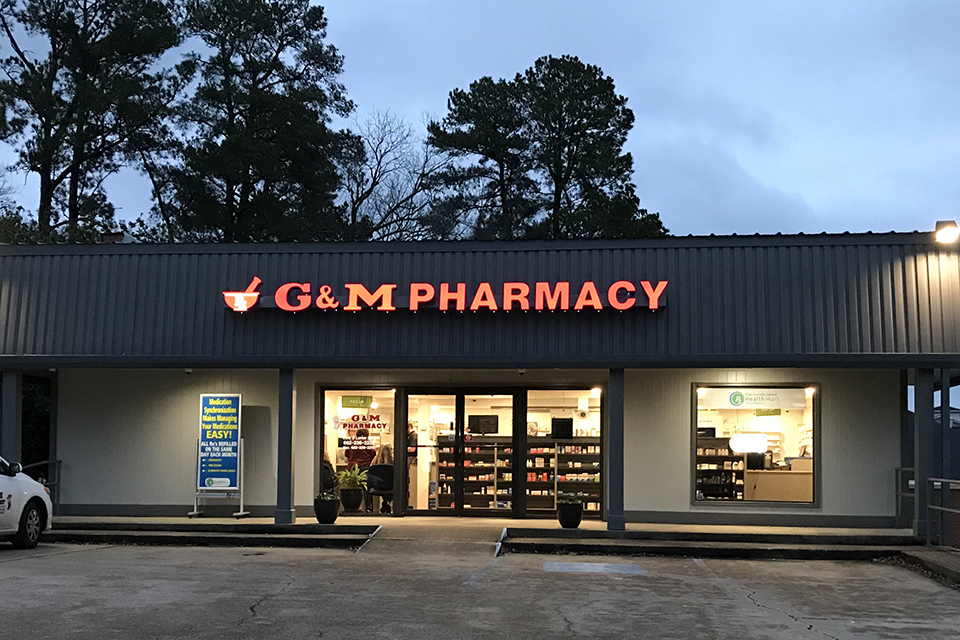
(31, 526)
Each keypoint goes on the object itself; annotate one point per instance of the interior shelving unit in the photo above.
(487, 474)
(719, 470)
(568, 465)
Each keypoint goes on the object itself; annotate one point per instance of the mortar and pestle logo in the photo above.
(243, 300)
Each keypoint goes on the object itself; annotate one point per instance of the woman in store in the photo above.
(328, 475)
(380, 479)
(384, 455)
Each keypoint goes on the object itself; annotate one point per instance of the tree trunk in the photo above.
(229, 213)
(505, 212)
(45, 210)
(557, 194)
(73, 200)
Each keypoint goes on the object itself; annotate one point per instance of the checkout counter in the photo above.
(793, 483)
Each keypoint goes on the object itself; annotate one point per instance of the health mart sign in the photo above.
(456, 296)
(752, 398)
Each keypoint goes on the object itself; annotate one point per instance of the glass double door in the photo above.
(460, 453)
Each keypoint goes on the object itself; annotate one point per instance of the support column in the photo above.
(400, 464)
(926, 444)
(519, 462)
(11, 424)
(945, 462)
(285, 513)
(616, 521)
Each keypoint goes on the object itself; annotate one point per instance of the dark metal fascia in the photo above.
(861, 361)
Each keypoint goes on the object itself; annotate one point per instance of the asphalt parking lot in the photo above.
(425, 590)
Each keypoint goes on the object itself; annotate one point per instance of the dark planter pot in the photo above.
(570, 514)
(326, 510)
(351, 499)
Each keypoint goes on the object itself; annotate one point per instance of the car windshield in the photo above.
(4, 467)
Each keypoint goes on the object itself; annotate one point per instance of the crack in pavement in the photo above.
(253, 608)
(750, 596)
(789, 615)
(567, 621)
(44, 554)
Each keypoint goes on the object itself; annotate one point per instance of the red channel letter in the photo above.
(282, 296)
(518, 292)
(653, 295)
(613, 295)
(420, 292)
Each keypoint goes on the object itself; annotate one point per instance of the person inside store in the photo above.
(361, 451)
(384, 455)
(328, 475)
(411, 453)
(411, 442)
(380, 479)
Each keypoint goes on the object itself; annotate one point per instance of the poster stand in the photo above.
(207, 493)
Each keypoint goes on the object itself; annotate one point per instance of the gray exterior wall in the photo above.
(128, 439)
(859, 447)
(853, 300)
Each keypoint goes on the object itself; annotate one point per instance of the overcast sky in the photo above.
(766, 116)
(751, 116)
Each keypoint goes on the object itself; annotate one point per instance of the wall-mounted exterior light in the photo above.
(947, 231)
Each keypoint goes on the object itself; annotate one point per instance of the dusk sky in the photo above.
(750, 116)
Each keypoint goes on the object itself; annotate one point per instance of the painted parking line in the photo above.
(594, 567)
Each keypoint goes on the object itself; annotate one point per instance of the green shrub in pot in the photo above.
(570, 509)
(351, 483)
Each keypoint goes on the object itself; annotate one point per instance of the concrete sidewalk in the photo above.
(496, 535)
(516, 535)
(940, 561)
(458, 524)
(443, 589)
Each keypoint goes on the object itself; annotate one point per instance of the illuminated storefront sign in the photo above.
(512, 296)
(752, 398)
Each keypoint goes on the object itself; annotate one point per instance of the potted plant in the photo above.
(351, 483)
(570, 509)
(326, 506)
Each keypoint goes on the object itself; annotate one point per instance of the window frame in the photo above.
(757, 504)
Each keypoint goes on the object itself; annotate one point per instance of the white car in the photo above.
(25, 507)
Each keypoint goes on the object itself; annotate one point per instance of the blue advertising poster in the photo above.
(219, 461)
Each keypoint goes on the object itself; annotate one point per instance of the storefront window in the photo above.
(754, 444)
(462, 467)
(488, 452)
(563, 447)
(431, 471)
(358, 432)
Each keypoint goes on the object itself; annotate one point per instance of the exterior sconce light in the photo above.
(947, 231)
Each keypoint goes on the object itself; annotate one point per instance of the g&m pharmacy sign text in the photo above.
(456, 296)
(218, 462)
